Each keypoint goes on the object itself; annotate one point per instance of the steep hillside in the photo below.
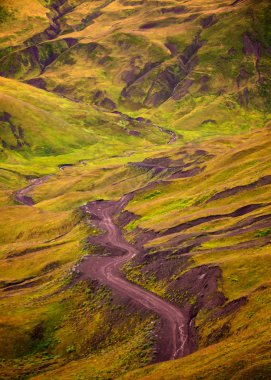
(135, 188)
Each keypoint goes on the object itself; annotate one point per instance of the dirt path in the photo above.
(21, 195)
(173, 338)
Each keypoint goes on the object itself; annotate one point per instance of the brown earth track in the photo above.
(175, 332)
(175, 329)
(21, 195)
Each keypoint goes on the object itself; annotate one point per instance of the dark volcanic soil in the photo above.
(174, 332)
(21, 195)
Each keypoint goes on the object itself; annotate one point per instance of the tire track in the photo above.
(21, 195)
(174, 335)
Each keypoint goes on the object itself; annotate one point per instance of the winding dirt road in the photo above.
(173, 340)
(174, 335)
(21, 195)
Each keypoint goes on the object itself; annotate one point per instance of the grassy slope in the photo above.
(245, 350)
(220, 62)
(82, 332)
(24, 20)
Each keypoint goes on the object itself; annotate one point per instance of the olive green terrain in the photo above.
(166, 99)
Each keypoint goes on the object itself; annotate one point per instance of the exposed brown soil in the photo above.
(230, 307)
(239, 212)
(37, 82)
(187, 166)
(160, 23)
(21, 284)
(186, 173)
(31, 250)
(177, 9)
(235, 190)
(190, 242)
(22, 196)
(208, 21)
(174, 334)
(200, 286)
(219, 334)
(256, 243)
(196, 289)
